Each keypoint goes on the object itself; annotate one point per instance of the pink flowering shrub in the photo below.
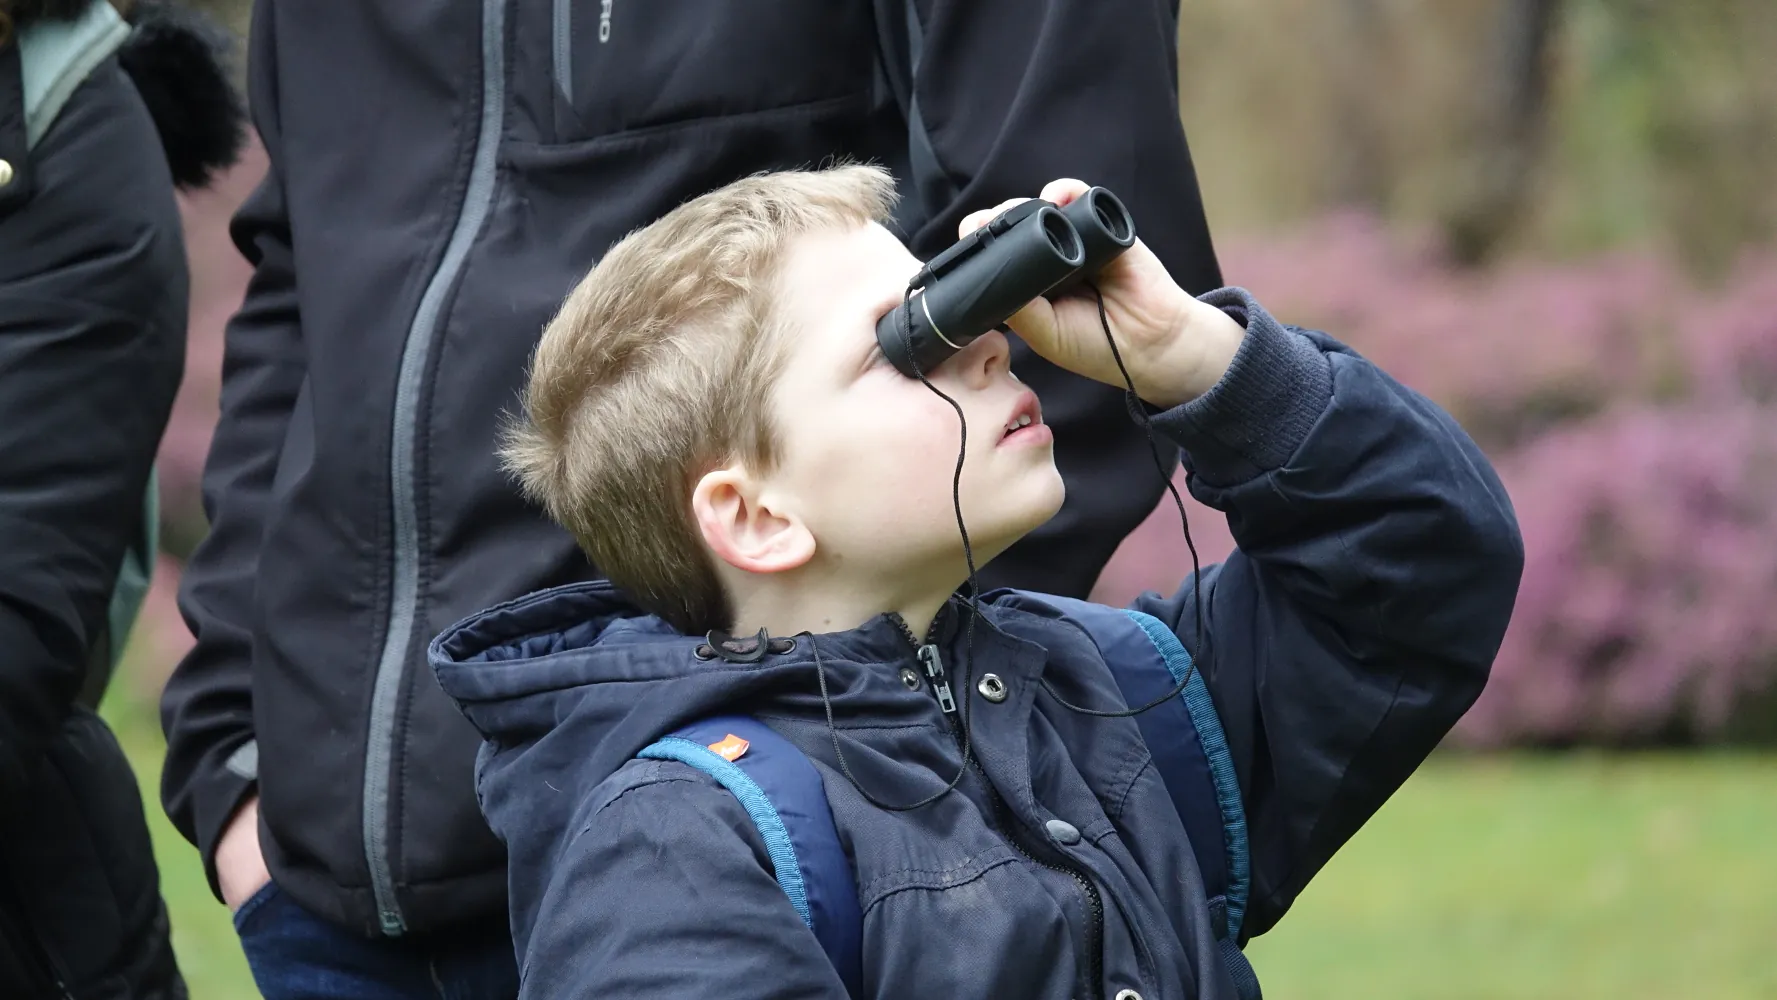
(1731, 335)
(218, 279)
(1648, 609)
(1649, 604)
(1531, 344)
(1155, 556)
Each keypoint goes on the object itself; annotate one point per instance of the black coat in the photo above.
(93, 291)
(93, 299)
(442, 173)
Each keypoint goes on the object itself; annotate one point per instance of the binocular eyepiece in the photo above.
(1031, 249)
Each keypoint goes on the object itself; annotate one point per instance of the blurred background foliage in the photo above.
(1559, 219)
(1553, 127)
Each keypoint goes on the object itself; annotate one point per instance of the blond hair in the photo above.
(659, 367)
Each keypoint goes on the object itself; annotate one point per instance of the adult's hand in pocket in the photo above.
(240, 867)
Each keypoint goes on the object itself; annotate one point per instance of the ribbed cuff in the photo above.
(1255, 418)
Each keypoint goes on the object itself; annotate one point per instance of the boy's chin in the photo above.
(1016, 515)
(1042, 497)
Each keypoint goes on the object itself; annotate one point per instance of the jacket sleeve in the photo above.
(92, 344)
(1000, 97)
(207, 708)
(1377, 564)
(667, 891)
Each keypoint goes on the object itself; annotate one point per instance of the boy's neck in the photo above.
(790, 607)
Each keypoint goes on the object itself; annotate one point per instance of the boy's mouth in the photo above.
(1025, 425)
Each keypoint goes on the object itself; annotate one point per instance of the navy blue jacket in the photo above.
(1377, 566)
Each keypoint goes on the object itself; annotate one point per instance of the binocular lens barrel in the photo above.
(981, 290)
(1027, 251)
(1106, 230)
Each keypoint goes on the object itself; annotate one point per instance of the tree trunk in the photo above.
(1358, 174)
(1513, 95)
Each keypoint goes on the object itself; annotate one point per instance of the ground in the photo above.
(1579, 877)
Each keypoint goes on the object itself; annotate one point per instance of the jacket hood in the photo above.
(567, 685)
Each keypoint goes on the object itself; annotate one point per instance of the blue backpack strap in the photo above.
(1190, 752)
(782, 792)
(1210, 748)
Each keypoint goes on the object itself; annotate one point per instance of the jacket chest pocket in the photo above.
(618, 66)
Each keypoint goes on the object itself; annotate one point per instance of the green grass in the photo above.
(1575, 877)
(203, 935)
(1563, 877)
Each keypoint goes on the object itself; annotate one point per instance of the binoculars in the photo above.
(1029, 250)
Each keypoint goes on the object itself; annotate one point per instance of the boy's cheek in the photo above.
(884, 474)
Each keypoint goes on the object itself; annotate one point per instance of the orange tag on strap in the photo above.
(730, 747)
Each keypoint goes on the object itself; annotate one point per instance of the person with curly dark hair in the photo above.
(97, 127)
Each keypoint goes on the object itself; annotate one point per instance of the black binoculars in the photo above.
(1031, 249)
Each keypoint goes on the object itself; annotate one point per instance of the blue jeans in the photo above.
(296, 955)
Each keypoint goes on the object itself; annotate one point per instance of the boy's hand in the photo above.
(1175, 347)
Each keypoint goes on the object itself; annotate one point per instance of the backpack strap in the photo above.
(1190, 751)
(782, 793)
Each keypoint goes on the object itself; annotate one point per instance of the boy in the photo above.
(710, 416)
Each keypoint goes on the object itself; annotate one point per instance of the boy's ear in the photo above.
(741, 527)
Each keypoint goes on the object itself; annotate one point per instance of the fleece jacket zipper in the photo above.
(391, 668)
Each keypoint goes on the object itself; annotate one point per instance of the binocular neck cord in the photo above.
(956, 499)
(1139, 414)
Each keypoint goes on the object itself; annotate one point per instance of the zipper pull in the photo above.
(934, 664)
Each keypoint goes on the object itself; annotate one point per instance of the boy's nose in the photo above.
(986, 357)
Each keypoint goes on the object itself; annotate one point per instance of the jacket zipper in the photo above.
(562, 39)
(404, 574)
(932, 662)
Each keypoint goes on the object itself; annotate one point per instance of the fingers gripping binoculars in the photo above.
(1029, 250)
